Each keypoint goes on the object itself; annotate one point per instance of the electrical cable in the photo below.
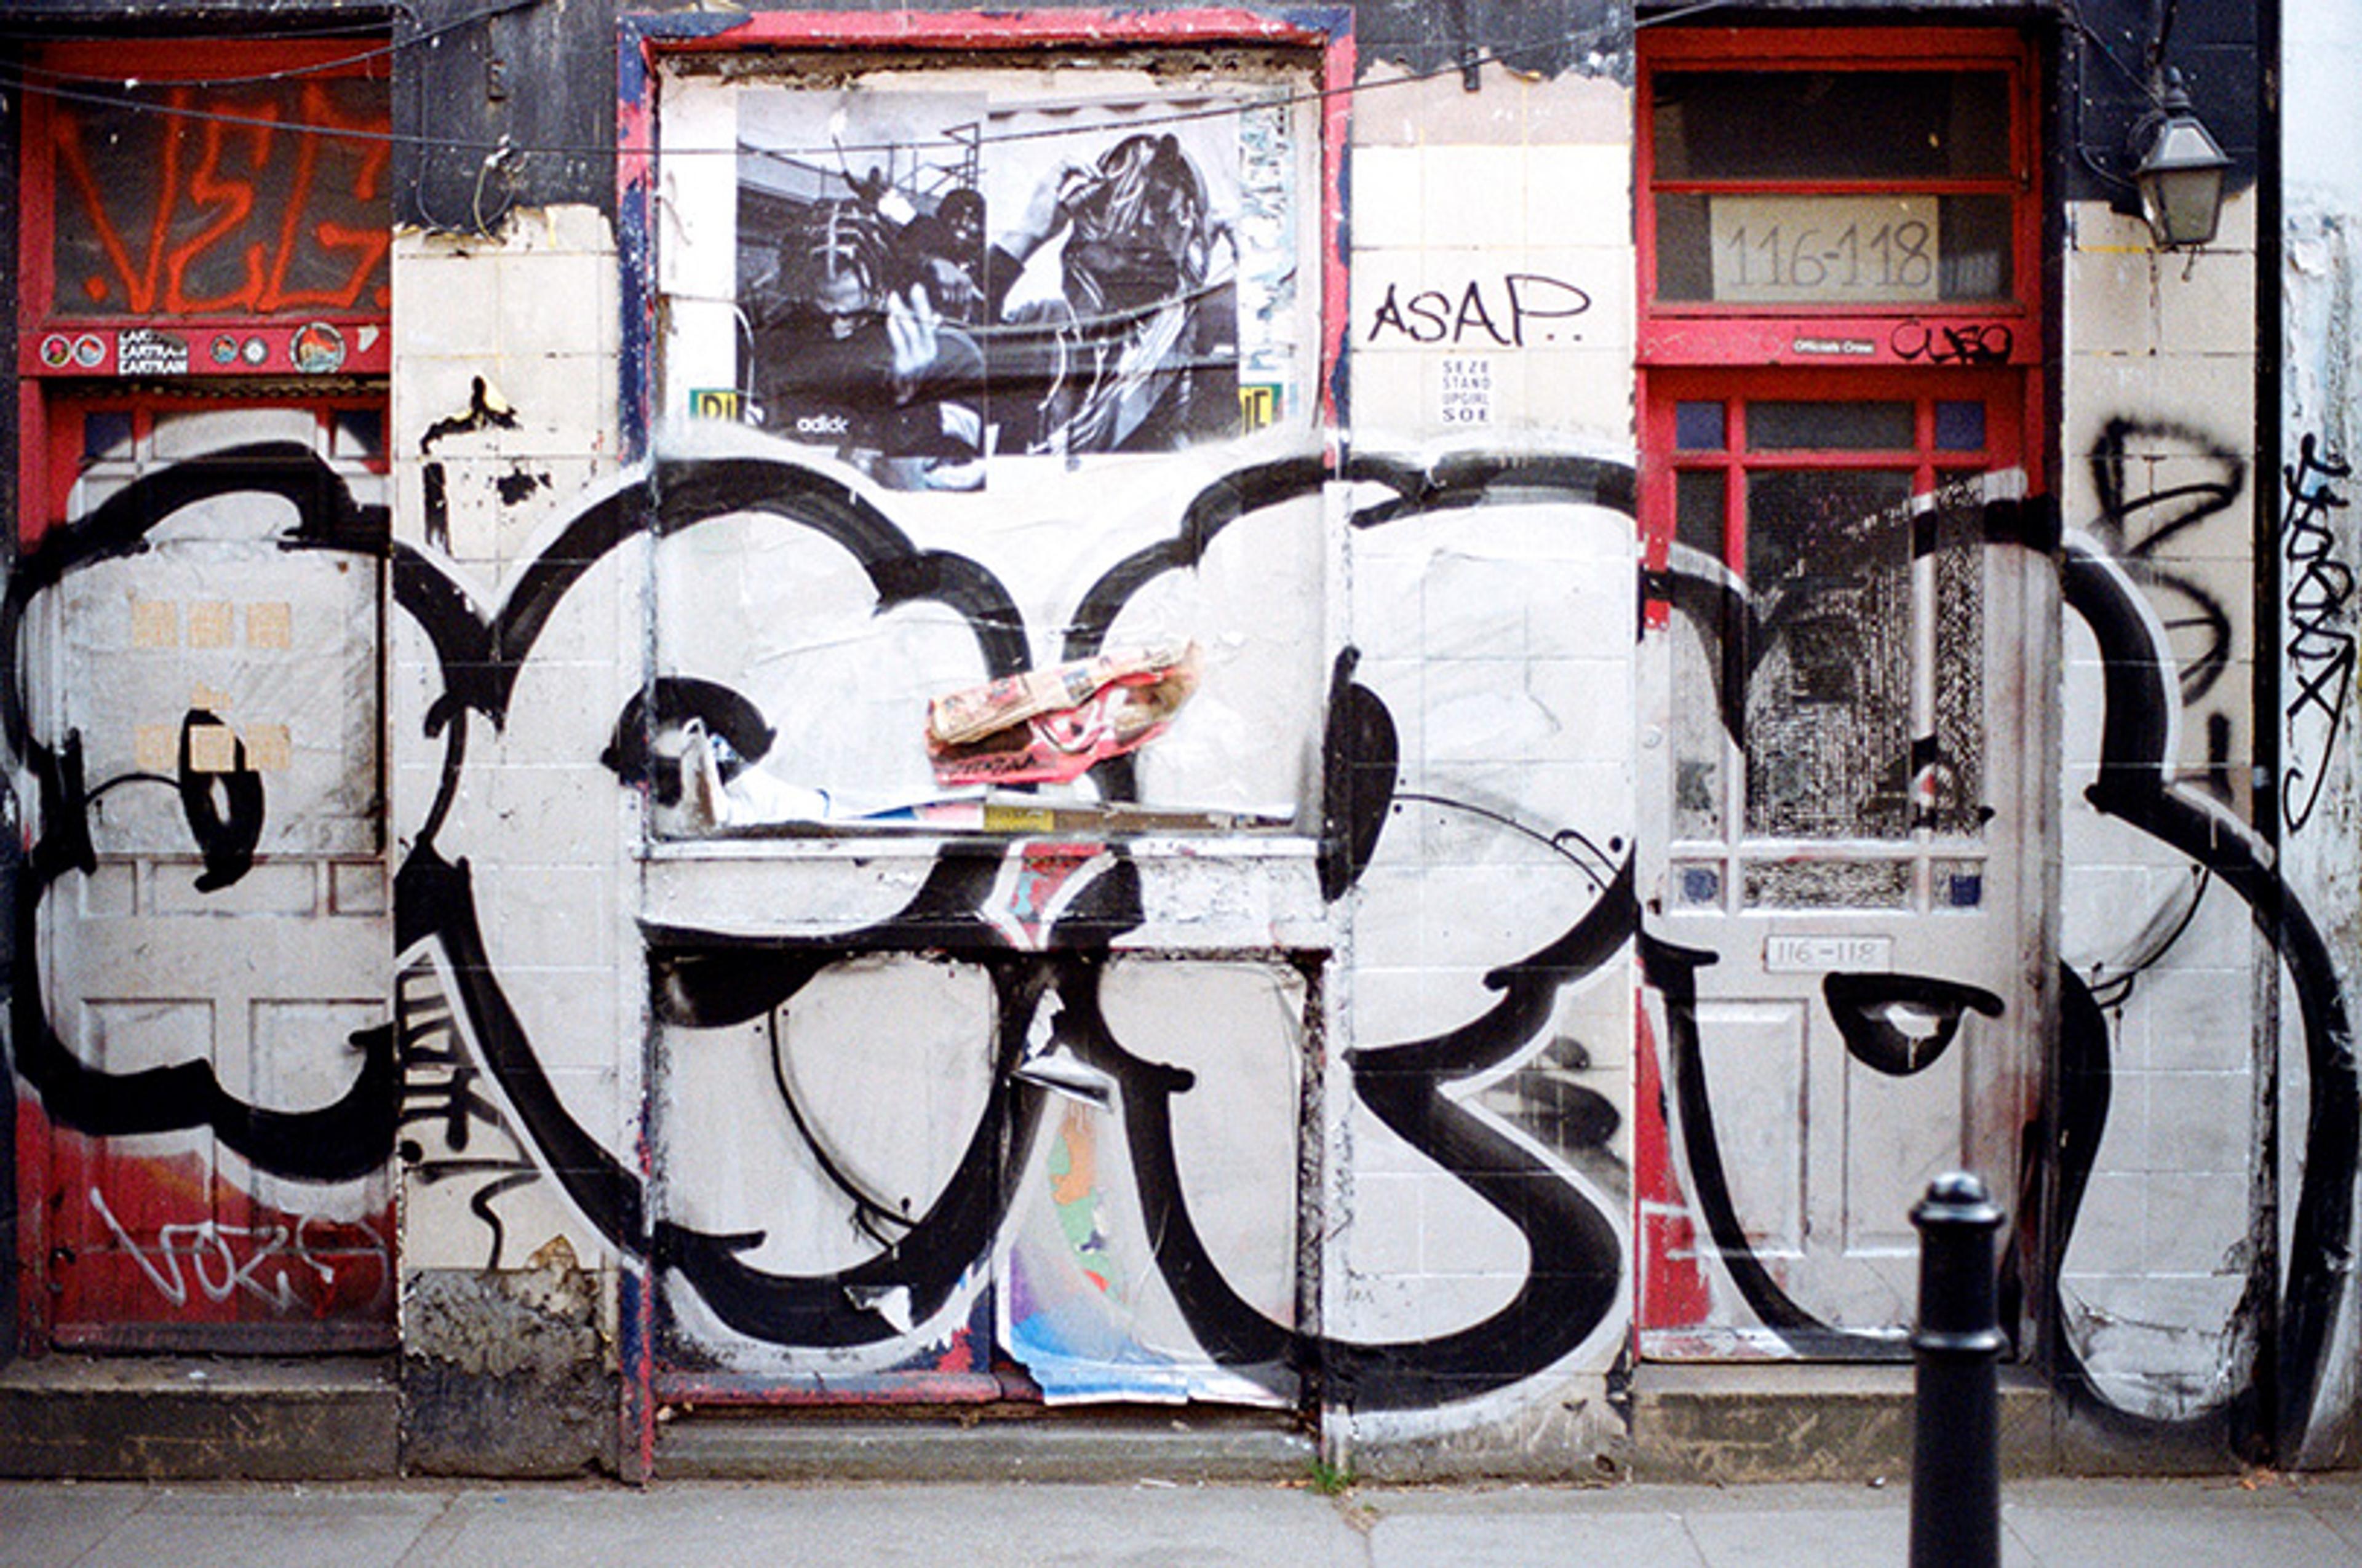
(341, 65)
(60, 86)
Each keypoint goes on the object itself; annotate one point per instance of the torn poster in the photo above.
(1049, 726)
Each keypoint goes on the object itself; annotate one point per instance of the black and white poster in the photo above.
(932, 278)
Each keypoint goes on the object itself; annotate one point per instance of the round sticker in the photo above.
(255, 351)
(57, 351)
(224, 349)
(319, 349)
(89, 351)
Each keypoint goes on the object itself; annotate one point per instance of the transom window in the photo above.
(1811, 172)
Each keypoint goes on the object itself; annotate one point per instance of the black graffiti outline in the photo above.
(2321, 645)
(2167, 513)
(1859, 1002)
(2135, 784)
(350, 1136)
(928, 1262)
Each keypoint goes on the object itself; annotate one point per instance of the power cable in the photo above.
(78, 89)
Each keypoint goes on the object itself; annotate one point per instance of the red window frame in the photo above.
(1706, 332)
(56, 341)
(1323, 32)
(2005, 432)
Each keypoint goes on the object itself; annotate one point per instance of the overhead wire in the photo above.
(82, 88)
(340, 65)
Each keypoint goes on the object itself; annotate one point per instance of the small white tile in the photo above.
(1388, 198)
(1475, 195)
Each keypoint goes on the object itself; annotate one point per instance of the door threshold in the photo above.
(1733, 1423)
(189, 1418)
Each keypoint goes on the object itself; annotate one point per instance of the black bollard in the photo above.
(1956, 1418)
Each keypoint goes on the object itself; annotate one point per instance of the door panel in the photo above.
(211, 914)
(1843, 974)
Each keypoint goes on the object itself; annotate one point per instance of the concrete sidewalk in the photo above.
(2264, 1521)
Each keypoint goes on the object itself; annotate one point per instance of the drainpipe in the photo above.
(2278, 1430)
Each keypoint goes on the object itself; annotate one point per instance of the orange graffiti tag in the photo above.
(247, 208)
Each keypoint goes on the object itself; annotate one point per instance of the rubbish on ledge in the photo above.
(970, 715)
(1048, 726)
(749, 795)
(1008, 815)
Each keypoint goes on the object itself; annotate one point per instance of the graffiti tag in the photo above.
(2320, 646)
(1976, 343)
(1508, 316)
(223, 1261)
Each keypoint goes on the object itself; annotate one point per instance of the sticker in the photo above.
(57, 351)
(142, 351)
(90, 351)
(1851, 347)
(255, 351)
(716, 402)
(224, 348)
(319, 349)
(1467, 391)
(1258, 404)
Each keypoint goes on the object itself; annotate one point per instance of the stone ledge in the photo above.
(1185, 1448)
(199, 1419)
(1789, 1422)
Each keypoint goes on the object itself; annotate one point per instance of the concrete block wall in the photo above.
(956, 1118)
(505, 416)
(1499, 639)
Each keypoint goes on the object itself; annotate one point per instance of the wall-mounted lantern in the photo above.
(2181, 170)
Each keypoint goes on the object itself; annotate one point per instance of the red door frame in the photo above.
(1325, 34)
(293, 347)
(1729, 351)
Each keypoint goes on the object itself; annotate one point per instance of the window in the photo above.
(984, 314)
(1850, 506)
(191, 211)
(1850, 183)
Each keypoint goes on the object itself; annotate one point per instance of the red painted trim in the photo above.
(2003, 391)
(368, 345)
(647, 40)
(1826, 49)
(36, 1306)
(36, 260)
(1897, 340)
(914, 1388)
(1674, 1290)
(1338, 65)
(991, 29)
(1706, 332)
(208, 59)
(36, 465)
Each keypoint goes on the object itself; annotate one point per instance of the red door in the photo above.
(203, 1041)
(207, 1084)
(1843, 891)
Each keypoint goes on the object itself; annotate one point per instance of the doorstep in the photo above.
(1736, 1423)
(1141, 1445)
(168, 1418)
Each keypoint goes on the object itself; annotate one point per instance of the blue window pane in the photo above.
(1959, 427)
(1697, 427)
(106, 432)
